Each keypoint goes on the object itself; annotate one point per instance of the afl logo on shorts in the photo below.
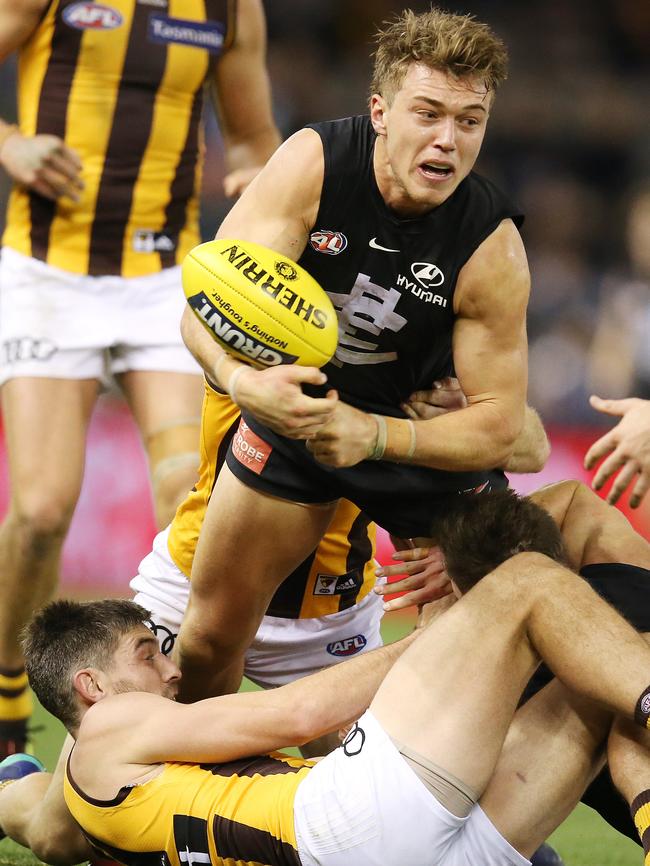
(330, 243)
(348, 646)
(92, 16)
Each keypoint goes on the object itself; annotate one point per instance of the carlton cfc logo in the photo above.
(92, 16)
(330, 243)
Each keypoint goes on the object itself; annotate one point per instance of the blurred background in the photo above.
(568, 140)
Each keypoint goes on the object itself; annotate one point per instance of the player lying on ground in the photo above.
(148, 775)
(34, 812)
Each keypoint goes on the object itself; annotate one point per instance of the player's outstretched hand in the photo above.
(626, 448)
(44, 163)
(275, 397)
(346, 439)
(426, 579)
(444, 396)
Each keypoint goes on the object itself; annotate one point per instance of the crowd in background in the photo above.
(568, 140)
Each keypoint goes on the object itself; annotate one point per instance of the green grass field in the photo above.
(583, 840)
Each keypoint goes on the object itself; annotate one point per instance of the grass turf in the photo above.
(583, 840)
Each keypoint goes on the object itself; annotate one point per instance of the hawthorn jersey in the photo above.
(336, 576)
(121, 83)
(238, 812)
(392, 283)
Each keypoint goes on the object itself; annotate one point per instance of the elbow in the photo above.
(307, 722)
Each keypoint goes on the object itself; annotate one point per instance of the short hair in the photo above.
(67, 636)
(458, 44)
(480, 531)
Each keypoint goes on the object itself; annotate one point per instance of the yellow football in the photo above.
(259, 305)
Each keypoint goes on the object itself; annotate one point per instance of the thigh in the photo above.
(161, 401)
(249, 543)
(45, 423)
(452, 695)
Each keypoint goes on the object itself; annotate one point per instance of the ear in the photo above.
(378, 110)
(89, 684)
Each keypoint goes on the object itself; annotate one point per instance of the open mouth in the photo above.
(436, 170)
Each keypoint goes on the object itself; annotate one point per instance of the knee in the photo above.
(59, 847)
(40, 521)
(171, 481)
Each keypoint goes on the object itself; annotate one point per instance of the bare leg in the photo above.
(628, 753)
(462, 679)
(45, 430)
(167, 409)
(553, 749)
(249, 543)
(593, 531)
(34, 814)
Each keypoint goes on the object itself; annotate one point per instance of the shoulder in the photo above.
(498, 267)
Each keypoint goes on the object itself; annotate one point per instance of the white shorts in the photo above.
(362, 804)
(71, 326)
(283, 649)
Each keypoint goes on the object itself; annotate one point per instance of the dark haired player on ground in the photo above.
(598, 542)
(149, 776)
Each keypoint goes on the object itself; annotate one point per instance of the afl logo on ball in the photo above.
(330, 243)
(92, 16)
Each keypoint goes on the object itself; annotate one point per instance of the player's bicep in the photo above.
(280, 205)
(489, 341)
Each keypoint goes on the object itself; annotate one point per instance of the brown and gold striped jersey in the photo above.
(336, 576)
(121, 82)
(220, 814)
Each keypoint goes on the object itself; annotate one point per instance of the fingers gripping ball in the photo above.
(258, 305)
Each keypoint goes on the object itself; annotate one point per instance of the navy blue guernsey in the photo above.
(391, 280)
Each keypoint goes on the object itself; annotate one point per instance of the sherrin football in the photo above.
(259, 305)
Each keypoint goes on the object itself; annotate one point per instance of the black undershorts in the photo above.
(627, 588)
(402, 498)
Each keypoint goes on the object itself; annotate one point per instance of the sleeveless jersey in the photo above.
(391, 280)
(121, 82)
(239, 812)
(337, 575)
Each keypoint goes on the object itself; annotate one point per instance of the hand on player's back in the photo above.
(275, 397)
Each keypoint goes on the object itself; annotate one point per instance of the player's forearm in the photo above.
(532, 447)
(481, 436)
(217, 364)
(338, 695)
(254, 150)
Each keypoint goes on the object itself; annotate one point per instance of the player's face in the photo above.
(429, 136)
(139, 666)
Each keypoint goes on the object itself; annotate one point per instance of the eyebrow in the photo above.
(145, 641)
(437, 104)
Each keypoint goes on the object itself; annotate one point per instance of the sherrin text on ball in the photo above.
(260, 305)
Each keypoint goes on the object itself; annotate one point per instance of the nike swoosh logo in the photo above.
(375, 246)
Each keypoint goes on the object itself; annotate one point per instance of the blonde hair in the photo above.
(457, 44)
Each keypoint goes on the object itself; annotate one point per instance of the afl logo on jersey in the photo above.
(330, 243)
(428, 276)
(92, 16)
